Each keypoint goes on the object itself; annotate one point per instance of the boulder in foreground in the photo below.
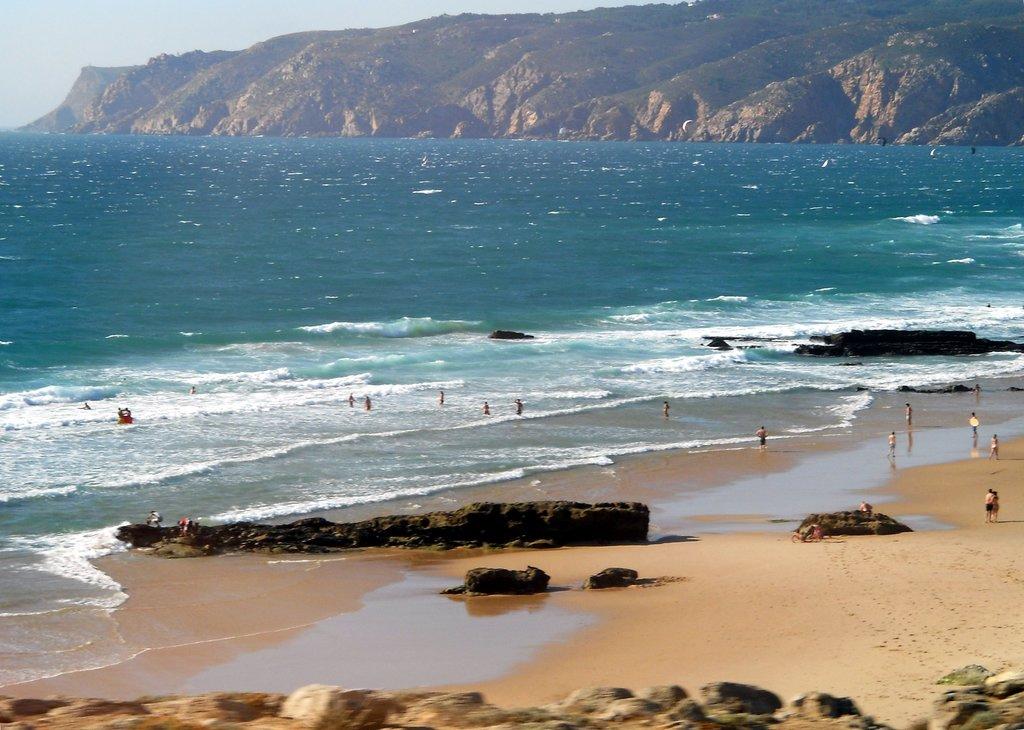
(481, 524)
(612, 578)
(854, 523)
(881, 343)
(501, 581)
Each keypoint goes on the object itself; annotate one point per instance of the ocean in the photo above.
(279, 277)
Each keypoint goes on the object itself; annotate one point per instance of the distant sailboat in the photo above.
(825, 163)
(425, 162)
(933, 152)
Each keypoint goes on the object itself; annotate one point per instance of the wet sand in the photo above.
(877, 618)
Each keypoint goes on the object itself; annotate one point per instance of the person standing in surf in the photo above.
(440, 398)
(762, 437)
(892, 445)
(519, 407)
(487, 408)
(664, 409)
(910, 416)
(351, 401)
(367, 403)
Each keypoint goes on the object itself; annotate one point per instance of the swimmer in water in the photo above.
(86, 406)
(367, 403)
(487, 408)
(440, 399)
(351, 401)
(664, 409)
(192, 390)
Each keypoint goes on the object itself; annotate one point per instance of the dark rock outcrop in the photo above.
(718, 343)
(876, 343)
(501, 581)
(739, 698)
(854, 523)
(958, 388)
(476, 525)
(612, 578)
(509, 335)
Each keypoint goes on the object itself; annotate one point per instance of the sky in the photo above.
(44, 43)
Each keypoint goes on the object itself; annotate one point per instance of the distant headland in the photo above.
(872, 72)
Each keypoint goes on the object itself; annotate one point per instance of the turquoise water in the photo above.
(280, 276)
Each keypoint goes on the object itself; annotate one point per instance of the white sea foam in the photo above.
(960, 261)
(70, 554)
(116, 337)
(686, 363)
(728, 298)
(920, 219)
(22, 494)
(427, 191)
(403, 327)
(4, 343)
(55, 394)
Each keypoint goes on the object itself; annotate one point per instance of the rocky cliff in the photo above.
(906, 71)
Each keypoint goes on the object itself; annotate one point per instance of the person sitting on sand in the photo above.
(154, 519)
(990, 505)
(762, 436)
(866, 508)
(993, 449)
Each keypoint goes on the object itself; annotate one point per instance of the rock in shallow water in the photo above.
(612, 578)
(476, 525)
(501, 581)
(879, 343)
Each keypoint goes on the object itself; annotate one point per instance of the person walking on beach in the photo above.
(973, 420)
(993, 449)
(892, 445)
(487, 408)
(440, 398)
(995, 508)
(367, 403)
(351, 401)
(664, 408)
(762, 436)
(910, 416)
(519, 407)
(990, 505)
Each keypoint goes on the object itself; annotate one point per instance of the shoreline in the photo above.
(229, 654)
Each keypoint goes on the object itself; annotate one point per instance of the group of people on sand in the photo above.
(992, 496)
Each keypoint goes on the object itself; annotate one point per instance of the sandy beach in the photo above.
(875, 618)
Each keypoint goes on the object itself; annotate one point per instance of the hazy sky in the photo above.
(44, 43)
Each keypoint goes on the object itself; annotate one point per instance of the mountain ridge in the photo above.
(903, 71)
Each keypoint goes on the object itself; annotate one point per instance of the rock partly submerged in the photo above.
(888, 343)
(509, 335)
(854, 522)
(502, 581)
(490, 524)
